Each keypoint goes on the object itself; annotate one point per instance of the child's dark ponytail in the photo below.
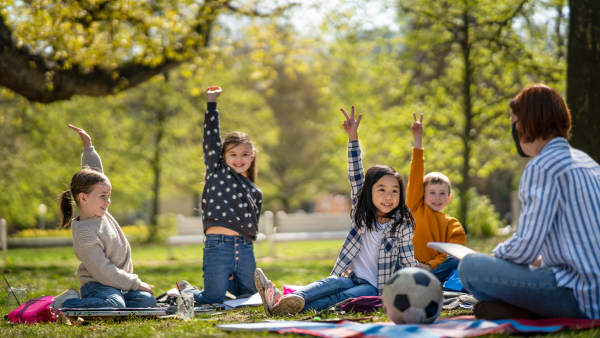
(66, 208)
(82, 182)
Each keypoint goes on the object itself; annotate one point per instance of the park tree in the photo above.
(42, 154)
(53, 50)
(166, 136)
(466, 59)
(291, 77)
(583, 72)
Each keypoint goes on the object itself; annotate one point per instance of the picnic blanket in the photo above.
(461, 326)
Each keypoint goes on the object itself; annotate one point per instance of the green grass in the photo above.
(50, 271)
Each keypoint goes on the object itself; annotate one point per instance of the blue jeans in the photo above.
(444, 270)
(334, 289)
(223, 256)
(490, 278)
(97, 295)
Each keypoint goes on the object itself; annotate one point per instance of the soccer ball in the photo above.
(412, 295)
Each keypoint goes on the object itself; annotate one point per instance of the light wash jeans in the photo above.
(334, 289)
(223, 256)
(97, 295)
(490, 278)
(444, 270)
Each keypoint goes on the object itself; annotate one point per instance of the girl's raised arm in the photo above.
(356, 175)
(211, 144)
(89, 158)
(87, 140)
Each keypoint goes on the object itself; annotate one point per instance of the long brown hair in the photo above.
(236, 138)
(82, 182)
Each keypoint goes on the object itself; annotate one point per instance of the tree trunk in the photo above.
(156, 168)
(583, 73)
(468, 115)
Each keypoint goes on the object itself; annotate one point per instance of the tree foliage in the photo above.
(52, 50)
(457, 62)
(466, 59)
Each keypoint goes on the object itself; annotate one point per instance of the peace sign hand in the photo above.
(351, 125)
(417, 130)
(87, 140)
(213, 92)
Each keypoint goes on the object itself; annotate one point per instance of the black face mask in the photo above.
(515, 135)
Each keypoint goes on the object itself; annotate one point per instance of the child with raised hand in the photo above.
(106, 273)
(231, 205)
(379, 241)
(426, 196)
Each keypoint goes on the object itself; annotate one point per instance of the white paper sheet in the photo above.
(254, 300)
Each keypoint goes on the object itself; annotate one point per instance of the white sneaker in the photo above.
(185, 286)
(60, 299)
(269, 294)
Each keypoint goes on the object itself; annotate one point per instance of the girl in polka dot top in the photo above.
(231, 206)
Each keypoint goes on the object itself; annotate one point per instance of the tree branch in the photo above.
(28, 73)
(509, 17)
(256, 13)
(502, 23)
(450, 26)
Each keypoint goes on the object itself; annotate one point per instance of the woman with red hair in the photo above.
(559, 221)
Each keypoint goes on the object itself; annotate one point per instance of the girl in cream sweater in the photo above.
(105, 274)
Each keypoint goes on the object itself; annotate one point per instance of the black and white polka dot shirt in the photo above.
(229, 200)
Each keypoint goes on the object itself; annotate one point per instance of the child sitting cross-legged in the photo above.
(106, 271)
(426, 196)
(379, 241)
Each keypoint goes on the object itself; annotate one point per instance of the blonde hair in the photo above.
(236, 138)
(437, 178)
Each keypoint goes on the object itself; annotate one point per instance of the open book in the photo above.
(457, 251)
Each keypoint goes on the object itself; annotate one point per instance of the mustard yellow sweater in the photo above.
(431, 226)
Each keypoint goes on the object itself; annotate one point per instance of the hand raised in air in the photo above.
(87, 140)
(417, 130)
(351, 124)
(213, 92)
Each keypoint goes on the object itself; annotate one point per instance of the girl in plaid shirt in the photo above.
(379, 241)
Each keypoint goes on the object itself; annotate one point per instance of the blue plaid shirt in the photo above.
(396, 250)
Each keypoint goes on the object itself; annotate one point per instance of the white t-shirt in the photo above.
(365, 263)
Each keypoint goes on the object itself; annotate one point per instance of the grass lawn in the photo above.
(50, 271)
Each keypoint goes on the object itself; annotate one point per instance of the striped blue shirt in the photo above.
(560, 219)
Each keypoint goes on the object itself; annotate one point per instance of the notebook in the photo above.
(457, 251)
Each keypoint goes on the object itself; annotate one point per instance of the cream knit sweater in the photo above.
(101, 246)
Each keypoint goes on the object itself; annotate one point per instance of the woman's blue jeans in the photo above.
(334, 289)
(490, 278)
(97, 295)
(223, 256)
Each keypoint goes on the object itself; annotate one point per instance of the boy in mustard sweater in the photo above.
(426, 196)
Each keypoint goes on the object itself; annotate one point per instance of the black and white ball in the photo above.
(412, 295)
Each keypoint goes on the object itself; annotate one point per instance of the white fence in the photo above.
(273, 228)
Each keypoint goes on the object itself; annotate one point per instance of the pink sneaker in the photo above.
(269, 294)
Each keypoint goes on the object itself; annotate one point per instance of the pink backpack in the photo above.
(36, 310)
